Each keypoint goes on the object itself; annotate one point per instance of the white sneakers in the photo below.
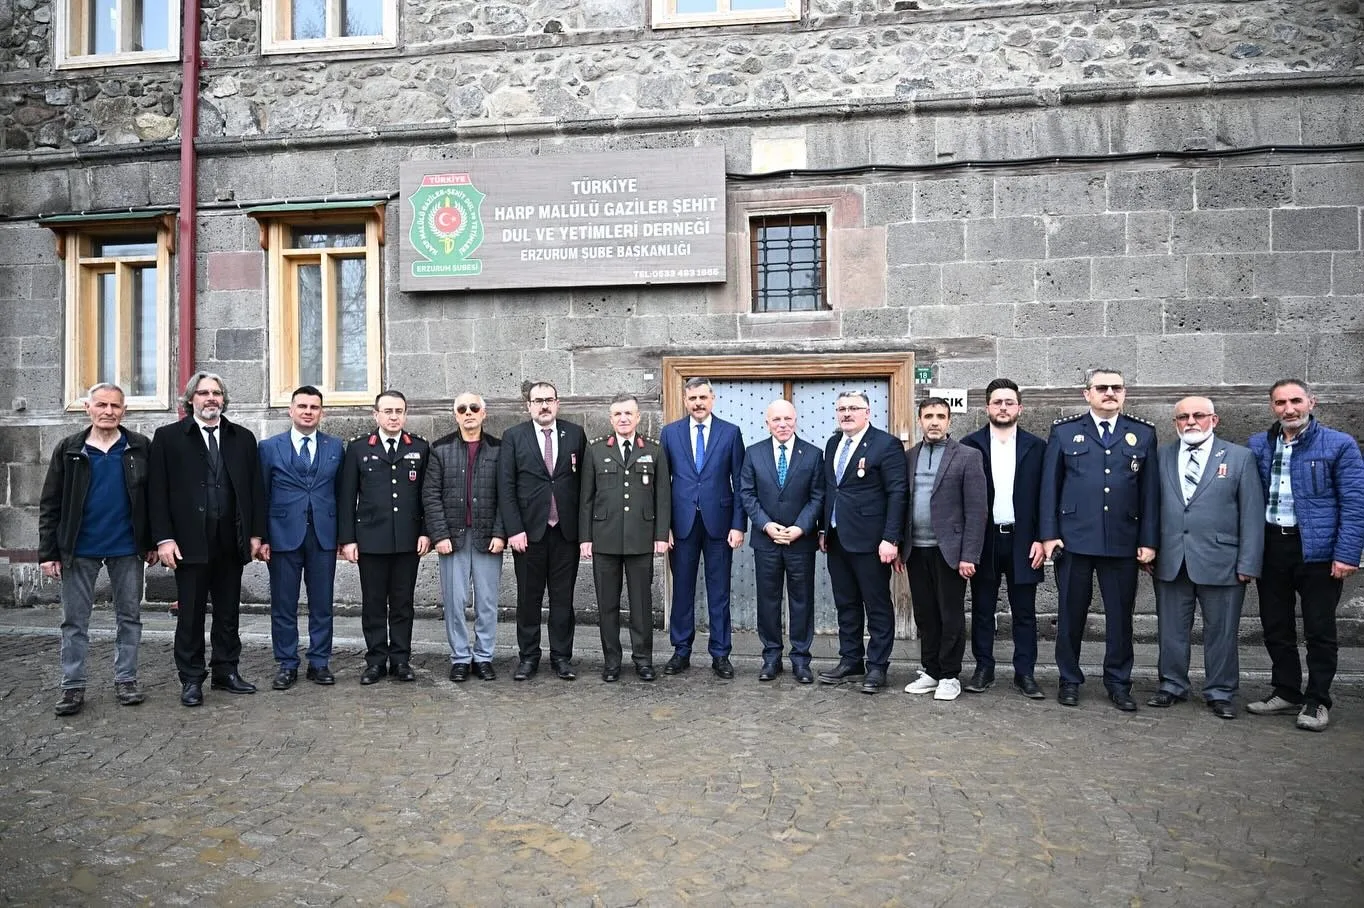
(1313, 718)
(1272, 705)
(948, 689)
(924, 684)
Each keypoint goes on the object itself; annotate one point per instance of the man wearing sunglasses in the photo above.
(459, 499)
(537, 492)
(1099, 517)
(380, 527)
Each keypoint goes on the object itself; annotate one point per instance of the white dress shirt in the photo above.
(1003, 463)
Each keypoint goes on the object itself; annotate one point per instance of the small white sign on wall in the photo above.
(955, 397)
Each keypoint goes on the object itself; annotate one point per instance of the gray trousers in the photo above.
(1221, 605)
(460, 571)
(78, 596)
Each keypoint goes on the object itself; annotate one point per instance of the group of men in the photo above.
(1098, 499)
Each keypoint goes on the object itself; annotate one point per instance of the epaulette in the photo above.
(1140, 420)
(1070, 418)
(360, 436)
(599, 439)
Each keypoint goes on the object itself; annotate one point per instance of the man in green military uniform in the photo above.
(623, 519)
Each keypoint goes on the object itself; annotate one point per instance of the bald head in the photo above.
(781, 420)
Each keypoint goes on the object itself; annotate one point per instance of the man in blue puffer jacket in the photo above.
(1314, 537)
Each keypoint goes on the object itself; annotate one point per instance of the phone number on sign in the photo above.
(678, 272)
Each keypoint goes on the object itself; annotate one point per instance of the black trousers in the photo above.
(938, 594)
(861, 587)
(388, 584)
(219, 578)
(1075, 575)
(773, 569)
(551, 563)
(1022, 608)
(1285, 578)
(637, 574)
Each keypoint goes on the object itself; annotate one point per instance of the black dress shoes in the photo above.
(459, 672)
(372, 674)
(192, 693)
(1028, 687)
(610, 673)
(722, 668)
(875, 680)
(403, 672)
(980, 682)
(285, 678)
(803, 674)
(1068, 694)
(485, 672)
(1222, 709)
(771, 668)
(233, 683)
(1123, 700)
(525, 670)
(564, 670)
(645, 671)
(677, 665)
(321, 674)
(841, 672)
(1163, 699)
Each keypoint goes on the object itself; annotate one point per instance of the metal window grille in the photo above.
(789, 265)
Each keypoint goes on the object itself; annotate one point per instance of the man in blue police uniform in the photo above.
(1099, 515)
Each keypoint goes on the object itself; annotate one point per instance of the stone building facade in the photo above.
(1012, 188)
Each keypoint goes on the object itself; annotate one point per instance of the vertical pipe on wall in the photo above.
(186, 254)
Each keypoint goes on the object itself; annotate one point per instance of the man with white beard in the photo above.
(1211, 546)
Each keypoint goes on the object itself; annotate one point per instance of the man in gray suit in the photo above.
(944, 534)
(1211, 545)
(781, 486)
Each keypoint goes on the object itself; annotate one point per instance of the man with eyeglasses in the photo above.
(1314, 536)
(1211, 543)
(381, 527)
(206, 506)
(1013, 546)
(1099, 517)
(537, 492)
(459, 499)
(865, 487)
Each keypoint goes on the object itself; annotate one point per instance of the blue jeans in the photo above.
(458, 571)
(78, 596)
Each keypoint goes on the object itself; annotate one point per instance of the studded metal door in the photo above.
(744, 403)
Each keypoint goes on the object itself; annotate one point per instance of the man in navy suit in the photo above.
(706, 454)
(300, 469)
(865, 486)
(781, 487)
(1013, 548)
(1100, 512)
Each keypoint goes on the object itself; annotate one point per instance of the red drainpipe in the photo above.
(186, 257)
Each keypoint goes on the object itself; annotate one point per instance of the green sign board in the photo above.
(923, 373)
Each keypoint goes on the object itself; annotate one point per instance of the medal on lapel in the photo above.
(862, 468)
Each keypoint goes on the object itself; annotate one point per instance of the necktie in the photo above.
(392, 448)
(1106, 436)
(842, 459)
(700, 446)
(304, 454)
(625, 452)
(781, 465)
(1192, 473)
(549, 465)
(212, 446)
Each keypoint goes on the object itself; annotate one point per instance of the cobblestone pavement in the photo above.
(690, 790)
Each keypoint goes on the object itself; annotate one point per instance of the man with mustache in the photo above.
(1098, 517)
(1211, 544)
(1314, 536)
(537, 490)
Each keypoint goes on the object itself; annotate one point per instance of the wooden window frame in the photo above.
(72, 50)
(276, 26)
(75, 240)
(283, 260)
(817, 217)
(897, 368)
(665, 15)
